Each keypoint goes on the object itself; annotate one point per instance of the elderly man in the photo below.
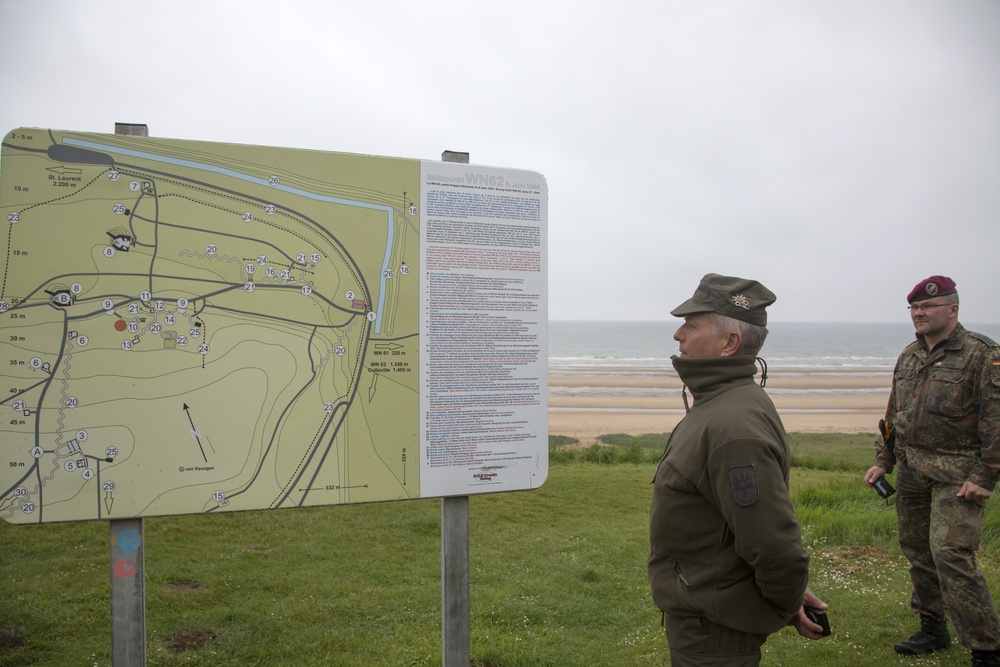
(726, 566)
(942, 426)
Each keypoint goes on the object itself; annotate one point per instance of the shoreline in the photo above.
(589, 401)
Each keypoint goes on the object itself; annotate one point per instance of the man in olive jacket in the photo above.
(726, 566)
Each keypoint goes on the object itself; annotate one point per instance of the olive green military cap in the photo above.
(734, 297)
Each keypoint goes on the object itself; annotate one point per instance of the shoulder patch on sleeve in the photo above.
(743, 484)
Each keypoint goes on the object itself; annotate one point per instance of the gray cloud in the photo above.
(838, 152)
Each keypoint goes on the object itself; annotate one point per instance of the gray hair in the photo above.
(752, 335)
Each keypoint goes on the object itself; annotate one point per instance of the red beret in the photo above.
(930, 287)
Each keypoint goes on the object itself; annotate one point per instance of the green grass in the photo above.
(558, 576)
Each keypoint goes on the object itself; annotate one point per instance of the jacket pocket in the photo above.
(905, 385)
(672, 592)
(946, 394)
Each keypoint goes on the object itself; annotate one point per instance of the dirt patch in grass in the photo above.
(186, 586)
(857, 558)
(10, 637)
(189, 639)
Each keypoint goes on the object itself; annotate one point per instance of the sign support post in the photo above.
(455, 626)
(455, 581)
(128, 571)
(128, 594)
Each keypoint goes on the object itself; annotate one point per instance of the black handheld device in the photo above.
(818, 616)
(883, 487)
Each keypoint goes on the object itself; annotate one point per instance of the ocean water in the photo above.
(837, 346)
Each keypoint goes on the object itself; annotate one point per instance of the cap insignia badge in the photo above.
(931, 288)
(741, 301)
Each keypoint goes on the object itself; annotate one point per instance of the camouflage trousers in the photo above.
(939, 533)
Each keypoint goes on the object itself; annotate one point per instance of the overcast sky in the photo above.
(837, 151)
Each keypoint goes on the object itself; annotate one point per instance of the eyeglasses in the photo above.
(925, 306)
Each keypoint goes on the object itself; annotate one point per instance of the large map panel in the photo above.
(195, 327)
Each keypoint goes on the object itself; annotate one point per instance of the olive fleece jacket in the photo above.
(724, 541)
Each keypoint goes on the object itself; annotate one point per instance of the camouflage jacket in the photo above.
(945, 405)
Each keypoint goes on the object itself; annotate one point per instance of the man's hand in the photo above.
(973, 492)
(801, 622)
(874, 473)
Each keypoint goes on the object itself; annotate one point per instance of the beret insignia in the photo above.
(930, 287)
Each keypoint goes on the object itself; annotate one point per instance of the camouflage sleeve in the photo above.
(885, 454)
(987, 471)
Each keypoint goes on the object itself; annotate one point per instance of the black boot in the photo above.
(933, 636)
(986, 659)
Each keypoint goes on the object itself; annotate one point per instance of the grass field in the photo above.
(558, 576)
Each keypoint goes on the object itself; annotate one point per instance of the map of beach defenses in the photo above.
(193, 327)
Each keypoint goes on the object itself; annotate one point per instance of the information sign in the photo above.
(194, 327)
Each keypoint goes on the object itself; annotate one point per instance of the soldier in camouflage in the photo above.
(942, 428)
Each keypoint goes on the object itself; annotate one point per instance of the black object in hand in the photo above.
(818, 616)
(883, 487)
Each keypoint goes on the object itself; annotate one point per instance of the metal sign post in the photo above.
(128, 571)
(128, 594)
(455, 581)
(455, 627)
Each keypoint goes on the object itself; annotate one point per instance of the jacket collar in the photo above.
(708, 378)
(952, 342)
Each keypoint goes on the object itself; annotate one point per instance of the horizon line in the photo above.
(552, 319)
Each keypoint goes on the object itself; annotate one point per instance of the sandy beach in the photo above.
(587, 401)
